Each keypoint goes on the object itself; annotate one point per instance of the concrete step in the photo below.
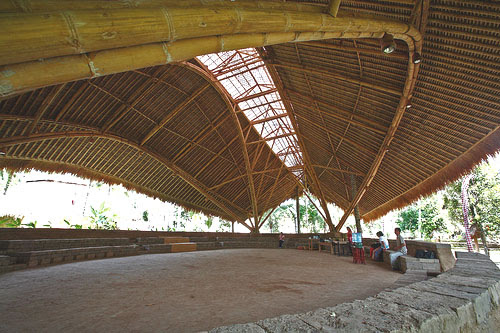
(13, 246)
(170, 240)
(6, 260)
(170, 248)
(183, 247)
(47, 257)
(149, 240)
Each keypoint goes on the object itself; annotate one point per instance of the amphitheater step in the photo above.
(170, 248)
(170, 240)
(7, 260)
(183, 247)
(149, 240)
(410, 277)
(47, 257)
(16, 246)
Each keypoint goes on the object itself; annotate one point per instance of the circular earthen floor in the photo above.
(182, 292)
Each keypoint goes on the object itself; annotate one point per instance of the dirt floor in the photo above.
(182, 292)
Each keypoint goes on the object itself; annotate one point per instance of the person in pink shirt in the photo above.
(282, 239)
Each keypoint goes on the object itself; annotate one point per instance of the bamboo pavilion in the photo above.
(232, 107)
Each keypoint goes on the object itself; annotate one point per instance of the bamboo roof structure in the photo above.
(232, 107)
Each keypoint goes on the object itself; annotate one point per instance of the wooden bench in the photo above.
(327, 244)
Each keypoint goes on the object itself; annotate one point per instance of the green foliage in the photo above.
(10, 221)
(145, 216)
(278, 215)
(224, 225)
(484, 200)
(76, 226)
(430, 219)
(100, 220)
(310, 218)
(31, 224)
(7, 177)
(209, 221)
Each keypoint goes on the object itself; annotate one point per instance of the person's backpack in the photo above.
(430, 255)
(425, 254)
(420, 254)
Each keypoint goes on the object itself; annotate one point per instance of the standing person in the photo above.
(475, 234)
(349, 235)
(400, 249)
(282, 240)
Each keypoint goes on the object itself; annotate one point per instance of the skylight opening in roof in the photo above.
(245, 77)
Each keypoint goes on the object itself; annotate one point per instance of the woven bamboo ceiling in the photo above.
(126, 92)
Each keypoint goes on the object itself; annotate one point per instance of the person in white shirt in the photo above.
(400, 249)
(384, 245)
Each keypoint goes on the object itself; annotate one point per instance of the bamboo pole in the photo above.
(232, 109)
(31, 36)
(333, 7)
(33, 6)
(66, 61)
(412, 72)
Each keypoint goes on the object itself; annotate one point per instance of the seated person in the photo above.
(400, 249)
(379, 251)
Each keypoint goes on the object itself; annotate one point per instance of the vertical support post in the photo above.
(297, 204)
(356, 210)
(465, 210)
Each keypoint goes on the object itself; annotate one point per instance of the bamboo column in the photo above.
(297, 206)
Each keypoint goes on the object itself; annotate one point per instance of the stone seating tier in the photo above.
(16, 246)
(47, 257)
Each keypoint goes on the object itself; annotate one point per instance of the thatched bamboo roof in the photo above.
(107, 109)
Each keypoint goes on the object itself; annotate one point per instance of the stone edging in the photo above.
(464, 299)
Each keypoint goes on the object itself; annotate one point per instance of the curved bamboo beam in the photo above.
(113, 44)
(220, 202)
(411, 78)
(231, 105)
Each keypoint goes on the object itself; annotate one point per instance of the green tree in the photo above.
(100, 218)
(8, 178)
(311, 218)
(280, 213)
(224, 225)
(484, 200)
(209, 221)
(423, 216)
